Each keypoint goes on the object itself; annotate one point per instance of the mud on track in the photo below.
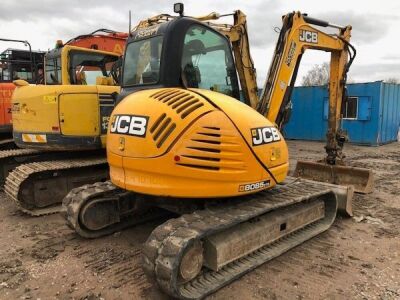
(42, 258)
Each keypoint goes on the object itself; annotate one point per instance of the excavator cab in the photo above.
(200, 57)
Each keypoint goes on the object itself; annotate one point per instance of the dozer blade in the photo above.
(361, 179)
(344, 194)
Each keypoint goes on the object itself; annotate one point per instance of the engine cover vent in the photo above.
(183, 102)
(214, 149)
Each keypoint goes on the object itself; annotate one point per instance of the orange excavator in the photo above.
(15, 64)
(101, 39)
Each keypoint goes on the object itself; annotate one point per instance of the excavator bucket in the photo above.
(361, 179)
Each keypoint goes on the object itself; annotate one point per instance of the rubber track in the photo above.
(10, 158)
(22, 173)
(7, 144)
(17, 152)
(167, 243)
(78, 197)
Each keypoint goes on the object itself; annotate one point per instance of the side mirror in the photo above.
(115, 96)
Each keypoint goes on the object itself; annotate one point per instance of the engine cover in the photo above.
(193, 143)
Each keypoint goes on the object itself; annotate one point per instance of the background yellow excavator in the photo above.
(61, 125)
(182, 140)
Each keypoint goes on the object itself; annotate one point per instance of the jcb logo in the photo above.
(265, 135)
(308, 36)
(129, 124)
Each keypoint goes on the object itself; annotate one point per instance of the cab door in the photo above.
(79, 112)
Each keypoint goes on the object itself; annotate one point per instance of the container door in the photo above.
(79, 114)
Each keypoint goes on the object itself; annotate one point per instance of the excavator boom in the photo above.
(298, 34)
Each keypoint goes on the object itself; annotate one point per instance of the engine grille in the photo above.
(162, 129)
(183, 102)
(214, 149)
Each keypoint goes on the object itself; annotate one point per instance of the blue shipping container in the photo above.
(372, 116)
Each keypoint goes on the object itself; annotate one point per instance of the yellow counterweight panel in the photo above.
(250, 123)
(208, 156)
(165, 113)
(35, 108)
(194, 166)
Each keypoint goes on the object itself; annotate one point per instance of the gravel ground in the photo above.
(41, 258)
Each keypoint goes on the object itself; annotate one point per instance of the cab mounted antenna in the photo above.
(130, 18)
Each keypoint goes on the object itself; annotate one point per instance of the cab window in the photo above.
(142, 61)
(53, 70)
(15, 64)
(86, 67)
(207, 62)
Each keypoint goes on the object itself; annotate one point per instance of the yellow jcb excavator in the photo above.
(181, 140)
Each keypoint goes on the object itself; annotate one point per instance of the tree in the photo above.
(318, 75)
(392, 80)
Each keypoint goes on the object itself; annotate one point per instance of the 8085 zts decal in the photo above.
(264, 135)
(254, 186)
(129, 124)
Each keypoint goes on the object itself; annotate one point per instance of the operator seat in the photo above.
(191, 75)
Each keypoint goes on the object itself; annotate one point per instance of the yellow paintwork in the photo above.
(79, 122)
(141, 166)
(65, 110)
(284, 72)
